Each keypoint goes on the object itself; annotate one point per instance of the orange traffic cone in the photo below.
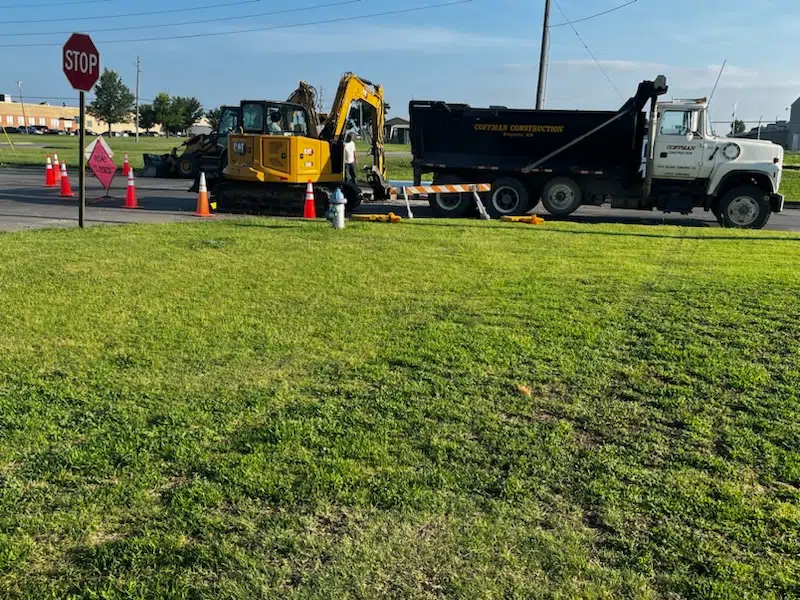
(130, 196)
(49, 176)
(66, 189)
(126, 167)
(56, 168)
(309, 209)
(202, 198)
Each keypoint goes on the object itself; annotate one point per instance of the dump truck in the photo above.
(668, 160)
(279, 149)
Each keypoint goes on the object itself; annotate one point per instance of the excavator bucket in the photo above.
(156, 165)
(381, 190)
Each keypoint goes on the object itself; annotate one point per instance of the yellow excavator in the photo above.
(279, 148)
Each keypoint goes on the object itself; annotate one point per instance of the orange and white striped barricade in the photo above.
(451, 188)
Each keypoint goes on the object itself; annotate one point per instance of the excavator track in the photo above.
(284, 200)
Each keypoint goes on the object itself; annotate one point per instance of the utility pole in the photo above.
(137, 99)
(544, 56)
(22, 101)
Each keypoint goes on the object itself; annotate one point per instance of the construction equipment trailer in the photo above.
(279, 149)
(669, 160)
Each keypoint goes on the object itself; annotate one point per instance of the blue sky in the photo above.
(480, 52)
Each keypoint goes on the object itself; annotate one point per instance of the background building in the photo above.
(785, 133)
(60, 118)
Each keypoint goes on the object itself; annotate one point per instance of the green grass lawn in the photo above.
(262, 408)
(67, 149)
(792, 158)
(790, 185)
(364, 147)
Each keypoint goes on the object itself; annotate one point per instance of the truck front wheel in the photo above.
(561, 196)
(745, 207)
(508, 197)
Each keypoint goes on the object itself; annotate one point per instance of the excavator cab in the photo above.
(274, 118)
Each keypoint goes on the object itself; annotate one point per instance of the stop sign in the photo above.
(81, 62)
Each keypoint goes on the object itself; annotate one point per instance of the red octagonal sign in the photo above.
(81, 62)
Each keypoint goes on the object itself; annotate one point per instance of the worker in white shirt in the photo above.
(350, 159)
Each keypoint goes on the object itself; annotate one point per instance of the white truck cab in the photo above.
(739, 178)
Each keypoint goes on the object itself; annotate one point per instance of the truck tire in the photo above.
(745, 207)
(450, 206)
(561, 196)
(508, 197)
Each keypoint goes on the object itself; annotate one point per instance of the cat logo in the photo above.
(240, 148)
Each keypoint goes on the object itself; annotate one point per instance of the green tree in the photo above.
(163, 111)
(190, 110)
(738, 126)
(113, 101)
(147, 117)
(213, 117)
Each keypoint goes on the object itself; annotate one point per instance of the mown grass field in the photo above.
(33, 149)
(398, 167)
(262, 409)
(790, 185)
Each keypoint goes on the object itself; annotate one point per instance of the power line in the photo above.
(71, 98)
(597, 62)
(3, 6)
(594, 16)
(200, 22)
(254, 29)
(140, 14)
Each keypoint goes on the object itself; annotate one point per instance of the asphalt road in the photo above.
(25, 203)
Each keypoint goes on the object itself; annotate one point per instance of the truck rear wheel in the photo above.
(561, 196)
(745, 207)
(450, 206)
(508, 197)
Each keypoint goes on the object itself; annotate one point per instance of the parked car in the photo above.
(32, 130)
(11, 130)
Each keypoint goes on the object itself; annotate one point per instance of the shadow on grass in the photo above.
(544, 229)
(289, 223)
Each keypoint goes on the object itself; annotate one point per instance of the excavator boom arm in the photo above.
(353, 88)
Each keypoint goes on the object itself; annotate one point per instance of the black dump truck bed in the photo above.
(458, 136)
